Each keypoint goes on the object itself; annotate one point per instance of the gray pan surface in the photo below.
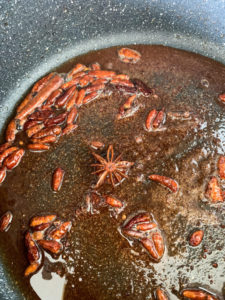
(36, 36)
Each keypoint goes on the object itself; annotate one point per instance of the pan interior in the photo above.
(99, 263)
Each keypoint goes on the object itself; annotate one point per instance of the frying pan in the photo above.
(36, 36)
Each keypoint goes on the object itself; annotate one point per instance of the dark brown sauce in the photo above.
(98, 262)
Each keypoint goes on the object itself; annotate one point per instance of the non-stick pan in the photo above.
(36, 36)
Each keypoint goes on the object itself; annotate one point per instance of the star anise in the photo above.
(114, 170)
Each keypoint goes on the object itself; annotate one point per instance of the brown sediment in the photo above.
(111, 262)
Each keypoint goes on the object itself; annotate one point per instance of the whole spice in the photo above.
(72, 101)
(214, 192)
(146, 226)
(5, 221)
(31, 269)
(38, 147)
(52, 98)
(127, 55)
(52, 130)
(140, 218)
(97, 145)
(40, 220)
(62, 100)
(57, 120)
(11, 131)
(95, 88)
(113, 202)
(159, 119)
(115, 169)
(72, 116)
(129, 102)
(154, 245)
(6, 153)
(14, 159)
(122, 82)
(221, 167)
(102, 74)
(24, 102)
(41, 83)
(41, 115)
(34, 129)
(166, 181)
(33, 251)
(196, 238)
(160, 294)
(52, 246)
(150, 118)
(57, 179)
(29, 123)
(142, 87)
(69, 128)
(2, 174)
(198, 295)
(61, 231)
(222, 97)
(85, 80)
(80, 97)
(41, 227)
(76, 69)
(4, 146)
(90, 97)
(46, 139)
